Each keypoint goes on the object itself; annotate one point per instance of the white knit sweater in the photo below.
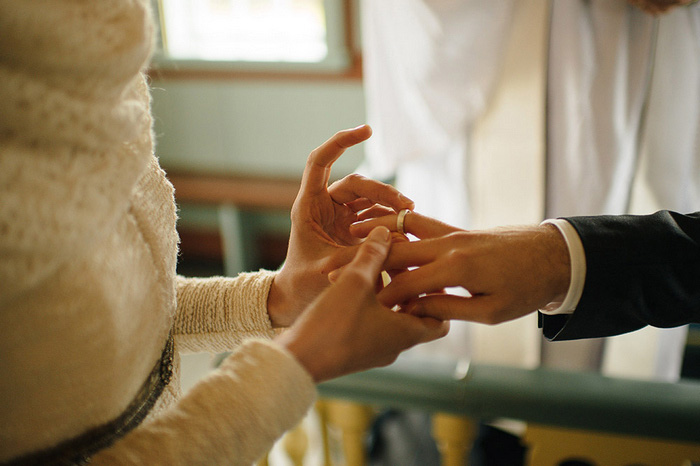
(88, 248)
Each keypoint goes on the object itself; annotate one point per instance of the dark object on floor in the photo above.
(495, 447)
(403, 438)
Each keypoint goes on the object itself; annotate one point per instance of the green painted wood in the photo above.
(557, 398)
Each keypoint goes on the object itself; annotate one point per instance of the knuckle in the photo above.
(339, 140)
(463, 240)
(458, 236)
(316, 160)
(456, 256)
(311, 159)
(355, 178)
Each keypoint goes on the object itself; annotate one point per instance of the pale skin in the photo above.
(509, 271)
(343, 328)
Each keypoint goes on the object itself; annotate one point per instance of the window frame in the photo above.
(343, 59)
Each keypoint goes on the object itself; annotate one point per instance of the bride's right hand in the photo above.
(347, 330)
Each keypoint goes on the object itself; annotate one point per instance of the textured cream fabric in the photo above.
(88, 249)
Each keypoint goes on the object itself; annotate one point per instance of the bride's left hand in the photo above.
(321, 219)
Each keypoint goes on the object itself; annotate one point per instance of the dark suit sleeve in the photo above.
(640, 270)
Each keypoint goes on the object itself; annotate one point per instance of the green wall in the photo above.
(252, 127)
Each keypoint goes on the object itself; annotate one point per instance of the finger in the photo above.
(347, 255)
(395, 273)
(360, 205)
(369, 260)
(399, 238)
(413, 283)
(343, 256)
(373, 211)
(407, 254)
(481, 309)
(434, 328)
(419, 329)
(318, 165)
(340, 258)
(418, 225)
(363, 226)
(357, 186)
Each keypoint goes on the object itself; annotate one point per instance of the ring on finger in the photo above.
(400, 221)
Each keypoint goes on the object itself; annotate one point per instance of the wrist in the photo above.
(300, 348)
(277, 303)
(559, 264)
(576, 268)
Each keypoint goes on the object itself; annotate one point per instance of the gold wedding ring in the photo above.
(400, 219)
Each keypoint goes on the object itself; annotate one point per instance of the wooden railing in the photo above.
(262, 193)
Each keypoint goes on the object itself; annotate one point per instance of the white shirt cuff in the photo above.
(577, 258)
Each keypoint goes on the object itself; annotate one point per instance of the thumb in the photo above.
(371, 255)
(341, 259)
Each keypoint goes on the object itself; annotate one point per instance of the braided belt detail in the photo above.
(78, 450)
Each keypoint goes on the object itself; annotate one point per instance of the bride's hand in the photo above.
(347, 330)
(321, 219)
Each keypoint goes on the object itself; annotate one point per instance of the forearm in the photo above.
(231, 417)
(215, 314)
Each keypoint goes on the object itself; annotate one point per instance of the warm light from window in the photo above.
(245, 30)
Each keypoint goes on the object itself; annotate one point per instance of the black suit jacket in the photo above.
(640, 270)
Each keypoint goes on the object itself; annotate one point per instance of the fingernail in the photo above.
(405, 199)
(382, 233)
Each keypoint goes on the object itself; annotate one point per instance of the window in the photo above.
(253, 33)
